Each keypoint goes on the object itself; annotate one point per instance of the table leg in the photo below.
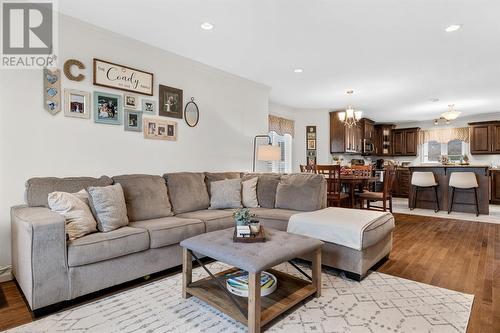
(254, 302)
(316, 271)
(187, 271)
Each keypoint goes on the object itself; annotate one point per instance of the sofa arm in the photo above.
(39, 255)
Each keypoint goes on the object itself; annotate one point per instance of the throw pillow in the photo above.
(108, 206)
(300, 191)
(79, 219)
(249, 193)
(225, 194)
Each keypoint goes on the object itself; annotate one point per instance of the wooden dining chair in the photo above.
(309, 168)
(384, 196)
(334, 187)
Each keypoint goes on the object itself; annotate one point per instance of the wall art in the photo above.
(160, 129)
(68, 65)
(131, 101)
(133, 120)
(77, 103)
(108, 108)
(52, 90)
(311, 145)
(170, 102)
(149, 106)
(111, 75)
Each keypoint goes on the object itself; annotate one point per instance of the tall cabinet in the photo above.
(345, 139)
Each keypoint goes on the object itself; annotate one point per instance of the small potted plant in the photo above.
(466, 159)
(243, 216)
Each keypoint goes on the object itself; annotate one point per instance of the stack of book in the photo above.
(243, 231)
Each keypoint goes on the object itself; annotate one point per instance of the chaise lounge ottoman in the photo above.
(355, 240)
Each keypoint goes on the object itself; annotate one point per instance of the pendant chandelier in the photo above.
(448, 116)
(350, 117)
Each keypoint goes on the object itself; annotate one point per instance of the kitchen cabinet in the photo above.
(484, 137)
(401, 184)
(405, 141)
(383, 139)
(495, 186)
(345, 139)
(368, 127)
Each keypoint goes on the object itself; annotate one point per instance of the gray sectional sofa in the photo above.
(50, 269)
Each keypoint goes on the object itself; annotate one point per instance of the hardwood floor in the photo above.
(453, 254)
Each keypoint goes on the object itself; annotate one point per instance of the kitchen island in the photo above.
(464, 199)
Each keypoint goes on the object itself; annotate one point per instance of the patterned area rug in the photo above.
(380, 303)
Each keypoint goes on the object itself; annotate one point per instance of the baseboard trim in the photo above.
(6, 276)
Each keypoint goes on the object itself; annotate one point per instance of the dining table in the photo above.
(353, 181)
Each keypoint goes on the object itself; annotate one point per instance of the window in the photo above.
(433, 150)
(284, 165)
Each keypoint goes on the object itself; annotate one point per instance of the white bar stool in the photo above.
(425, 179)
(463, 181)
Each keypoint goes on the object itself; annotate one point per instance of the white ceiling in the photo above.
(395, 54)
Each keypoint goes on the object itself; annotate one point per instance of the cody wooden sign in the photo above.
(108, 74)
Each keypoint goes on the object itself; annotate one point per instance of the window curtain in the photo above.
(281, 126)
(444, 135)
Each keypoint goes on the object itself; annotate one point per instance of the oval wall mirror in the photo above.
(191, 113)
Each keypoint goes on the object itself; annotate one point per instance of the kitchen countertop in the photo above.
(451, 166)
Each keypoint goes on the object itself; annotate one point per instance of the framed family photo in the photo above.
(131, 101)
(108, 108)
(133, 121)
(77, 103)
(156, 128)
(149, 106)
(311, 144)
(171, 102)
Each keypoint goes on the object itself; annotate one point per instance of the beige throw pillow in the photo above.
(75, 209)
(108, 206)
(225, 194)
(249, 193)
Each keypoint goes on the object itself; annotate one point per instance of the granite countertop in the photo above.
(451, 166)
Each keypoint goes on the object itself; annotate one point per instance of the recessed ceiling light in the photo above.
(298, 70)
(207, 26)
(434, 99)
(453, 27)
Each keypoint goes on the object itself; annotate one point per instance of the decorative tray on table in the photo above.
(250, 237)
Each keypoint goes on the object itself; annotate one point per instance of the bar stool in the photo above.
(424, 180)
(463, 181)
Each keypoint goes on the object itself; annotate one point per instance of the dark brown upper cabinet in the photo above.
(383, 139)
(484, 137)
(405, 141)
(345, 140)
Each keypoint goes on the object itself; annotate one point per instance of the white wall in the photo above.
(320, 118)
(35, 143)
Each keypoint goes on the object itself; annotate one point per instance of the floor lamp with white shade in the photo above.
(265, 152)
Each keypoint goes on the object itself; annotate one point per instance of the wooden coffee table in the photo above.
(256, 311)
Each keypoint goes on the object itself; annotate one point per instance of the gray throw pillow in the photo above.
(108, 206)
(225, 194)
(300, 191)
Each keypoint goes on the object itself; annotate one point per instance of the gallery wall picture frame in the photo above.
(133, 120)
(170, 102)
(77, 103)
(52, 90)
(130, 101)
(111, 75)
(311, 145)
(159, 129)
(108, 108)
(149, 106)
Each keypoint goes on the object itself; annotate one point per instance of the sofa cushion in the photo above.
(273, 217)
(38, 189)
(101, 246)
(169, 230)
(216, 176)
(225, 194)
(249, 193)
(187, 191)
(214, 219)
(300, 191)
(79, 218)
(108, 206)
(146, 196)
(266, 187)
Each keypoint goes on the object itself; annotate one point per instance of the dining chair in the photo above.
(384, 196)
(334, 187)
(309, 168)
